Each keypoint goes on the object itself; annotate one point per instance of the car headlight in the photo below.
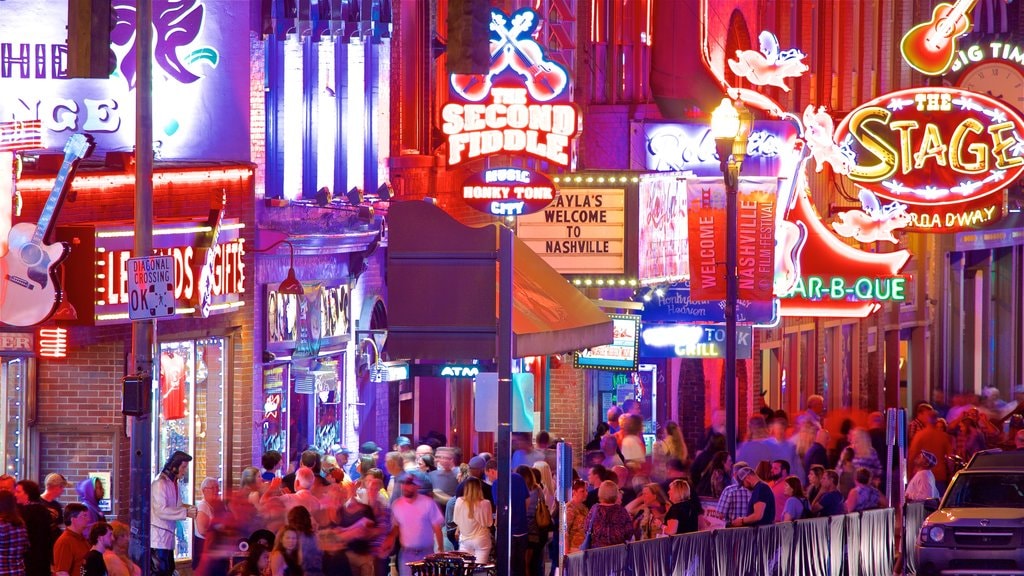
(932, 533)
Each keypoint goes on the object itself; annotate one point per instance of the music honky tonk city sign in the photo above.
(521, 106)
(943, 153)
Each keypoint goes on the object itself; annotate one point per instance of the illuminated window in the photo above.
(190, 407)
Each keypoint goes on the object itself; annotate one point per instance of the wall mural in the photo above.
(200, 78)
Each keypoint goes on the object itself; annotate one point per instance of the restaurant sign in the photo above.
(939, 154)
(622, 354)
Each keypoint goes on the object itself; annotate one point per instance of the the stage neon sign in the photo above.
(932, 147)
(521, 106)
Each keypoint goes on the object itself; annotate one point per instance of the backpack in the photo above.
(542, 516)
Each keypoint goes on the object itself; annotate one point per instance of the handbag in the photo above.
(586, 535)
(542, 516)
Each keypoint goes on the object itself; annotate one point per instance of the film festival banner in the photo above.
(755, 237)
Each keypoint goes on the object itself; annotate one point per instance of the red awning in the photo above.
(443, 293)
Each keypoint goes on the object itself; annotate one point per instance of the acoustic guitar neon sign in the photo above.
(521, 106)
(943, 152)
(929, 47)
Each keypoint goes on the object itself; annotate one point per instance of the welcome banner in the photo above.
(705, 198)
(755, 245)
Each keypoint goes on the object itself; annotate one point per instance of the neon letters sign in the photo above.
(508, 191)
(937, 150)
(995, 51)
(520, 106)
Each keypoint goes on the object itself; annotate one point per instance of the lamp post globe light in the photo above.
(730, 126)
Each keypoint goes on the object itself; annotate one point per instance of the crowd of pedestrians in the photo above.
(381, 512)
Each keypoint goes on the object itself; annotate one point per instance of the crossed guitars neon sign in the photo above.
(519, 106)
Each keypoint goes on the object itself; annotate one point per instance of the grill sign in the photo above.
(508, 191)
(937, 150)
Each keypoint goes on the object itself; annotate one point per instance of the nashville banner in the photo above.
(705, 199)
(755, 237)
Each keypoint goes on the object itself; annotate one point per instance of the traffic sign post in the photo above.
(150, 287)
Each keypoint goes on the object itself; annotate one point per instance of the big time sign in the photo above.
(943, 152)
(521, 106)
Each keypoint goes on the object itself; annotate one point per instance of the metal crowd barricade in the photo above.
(859, 544)
(913, 517)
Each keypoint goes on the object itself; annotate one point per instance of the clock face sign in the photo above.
(999, 80)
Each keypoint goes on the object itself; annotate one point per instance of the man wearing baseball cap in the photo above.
(416, 523)
(761, 508)
(366, 450)
(922, 485)
(477, 466)
(402, 444)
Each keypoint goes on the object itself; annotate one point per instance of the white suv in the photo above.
(978, 527)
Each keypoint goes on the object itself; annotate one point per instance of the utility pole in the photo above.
(143, 331)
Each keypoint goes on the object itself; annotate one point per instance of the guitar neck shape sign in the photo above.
(29, 289)
(929, 47)
(206, 255)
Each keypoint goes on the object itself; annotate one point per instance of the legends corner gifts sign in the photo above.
(755, 237)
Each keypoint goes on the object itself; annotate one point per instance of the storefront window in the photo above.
(309, 412)
(328, 407)
(12, 415)
(614, 388)
(191, 417)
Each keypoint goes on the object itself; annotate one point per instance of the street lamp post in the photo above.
(730, 126)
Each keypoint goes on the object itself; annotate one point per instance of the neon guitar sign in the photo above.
(520, 106)
(929, 47)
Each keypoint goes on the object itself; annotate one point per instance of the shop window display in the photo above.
(191, 417)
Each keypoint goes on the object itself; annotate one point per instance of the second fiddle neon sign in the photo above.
(521, 106)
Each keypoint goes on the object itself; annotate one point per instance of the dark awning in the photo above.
(443, 293)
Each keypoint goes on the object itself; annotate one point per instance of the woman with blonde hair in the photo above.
(670, 447)
(252, 484)
(116, 559)
(634, 451)
(864, 455)
(608, 522)
(682, 517)
(648, 510)
(473, 516)
(547, 484)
